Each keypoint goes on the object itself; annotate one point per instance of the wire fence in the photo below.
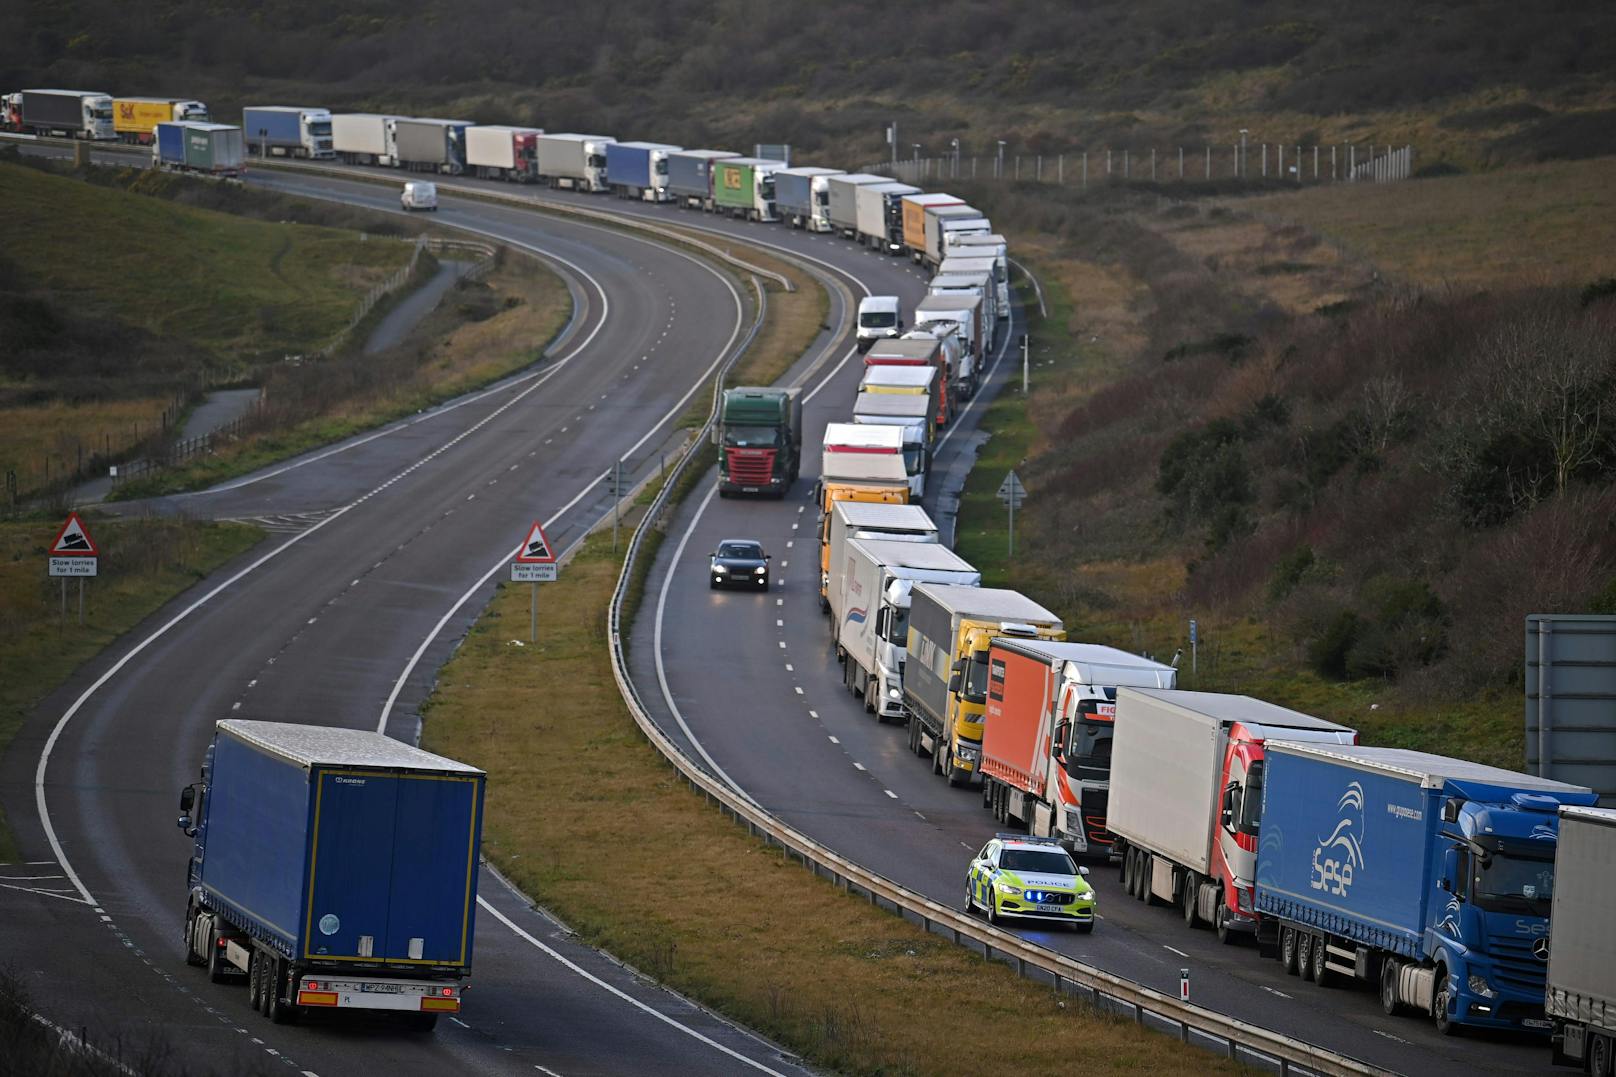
(1264, 162)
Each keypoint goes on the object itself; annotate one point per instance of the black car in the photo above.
(739, 562)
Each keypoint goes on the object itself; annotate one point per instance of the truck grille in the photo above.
(1516, 967)
(750, 467)
(1094, 816)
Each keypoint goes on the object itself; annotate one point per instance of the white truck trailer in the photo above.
(875, 577)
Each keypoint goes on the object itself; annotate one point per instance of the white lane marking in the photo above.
(630, 999)
(662, 673)
(833, 740)
(782, 644)
(890, 793)
(1175, 950)
(546, 1069)
(1274, 991)
(1388, 1035)
(678, 407)
(783, 564)
(858, 766)
(790, 543)
(789, 668)
(456, 1020)
(779, 602)
(798, 690)
(779, 623)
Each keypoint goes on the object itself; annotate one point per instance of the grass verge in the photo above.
(143, 564)
(794, 957)
(481, 332)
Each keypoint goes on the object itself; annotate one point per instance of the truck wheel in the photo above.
(1598, 1055)
(218, 967)
(1321, 973)
(937, 757)
(1304, 952)
(192, 957)
(1191, 887)
(1288, 949)
(958, 777)
(1440, 1005)
(1220, 922)
(1389, 974)
(280, 985)
(1127, 870)
(255, 984)
(914, 736)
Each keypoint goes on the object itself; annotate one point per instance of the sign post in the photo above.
(535, 563)
(74, 553)
(1195, 640)
(1012, 493)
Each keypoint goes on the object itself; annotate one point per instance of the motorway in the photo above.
(803, 748)
(381, 560)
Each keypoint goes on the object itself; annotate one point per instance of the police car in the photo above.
(1030, 878)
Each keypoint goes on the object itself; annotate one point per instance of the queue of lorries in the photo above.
(1431, 878)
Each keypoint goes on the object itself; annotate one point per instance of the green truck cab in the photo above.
(759, 437)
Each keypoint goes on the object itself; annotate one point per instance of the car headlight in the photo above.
(1480, 986)
(1008, 889)
(720, 569)
(760, 570)
(894, 692)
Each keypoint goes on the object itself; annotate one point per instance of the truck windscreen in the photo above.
(898, 626)
(976, 678)
(1507, 883)
(751, 437)
(1090, 754)
(321, 128)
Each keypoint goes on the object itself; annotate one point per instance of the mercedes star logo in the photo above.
(1540, 949)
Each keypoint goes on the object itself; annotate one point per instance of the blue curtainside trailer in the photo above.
(333, 868)
(1430, 877)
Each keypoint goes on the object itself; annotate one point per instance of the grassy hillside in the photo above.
(118, 301)
(1487, 79)
(227, 286)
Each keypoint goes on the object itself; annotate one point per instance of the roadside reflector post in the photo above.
(1183, 985)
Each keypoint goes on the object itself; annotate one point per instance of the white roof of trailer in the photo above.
(314, 745)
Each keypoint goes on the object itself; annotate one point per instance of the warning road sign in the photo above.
(73, 540)
(536, 548)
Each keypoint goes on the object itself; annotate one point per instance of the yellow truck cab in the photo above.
(945, 683)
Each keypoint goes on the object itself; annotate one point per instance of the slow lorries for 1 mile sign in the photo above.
(535, 562)
(74, 553)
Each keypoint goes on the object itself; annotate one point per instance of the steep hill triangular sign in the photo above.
(536, 548)
(73, 540)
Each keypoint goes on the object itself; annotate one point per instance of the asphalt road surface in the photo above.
(384, 549)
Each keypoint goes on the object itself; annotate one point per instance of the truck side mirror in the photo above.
(954, 681)
(1060, 738)
(187, 798)
(714, 434)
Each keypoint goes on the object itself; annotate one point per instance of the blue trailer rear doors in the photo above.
(392, 867)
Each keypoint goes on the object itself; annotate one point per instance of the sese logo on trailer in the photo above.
(1340, 853)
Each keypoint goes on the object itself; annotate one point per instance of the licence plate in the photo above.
(1537, 1022)
(1052, 908)
(381, 989)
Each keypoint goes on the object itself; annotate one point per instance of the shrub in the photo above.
(1289, 571)
(1327, 652)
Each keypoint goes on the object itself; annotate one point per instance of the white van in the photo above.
(879, 317)
(419, 194)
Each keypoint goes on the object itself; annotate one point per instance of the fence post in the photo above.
(1085, 170)
(1108, 162)
(1181, 162)
(1265, 160)
(1060, 168)
(1127, 161)
(1153, 164)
